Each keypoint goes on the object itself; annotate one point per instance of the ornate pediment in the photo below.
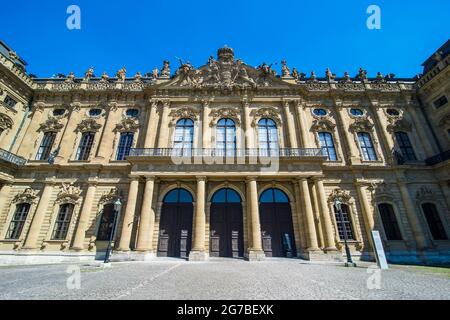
(27, 196)
(399, 125)
(51, 125)
(225, 73)
(322, 124)
(110, 197)
(343, 195)
(88, 125)
(381, 191)
(127, 125)
(68, 194)
(266, 112)
(361, 124)
(222, 113)
(5, 122)
(184, 113)
(424, 194)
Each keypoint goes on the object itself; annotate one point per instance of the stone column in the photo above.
(309, 215)
(385, 136)
(38, 219)
(290, 125)
(69, 134)
(303, 129)
(256, 252)
(198, 252)
(428, 142)
(369, 222)
(80, 233)
(147, 222)
(446, 191)
(36, 120)
(326, 219)
(151, 129)
(206, 130)
(248, 126)
(414, 222)
(128, 219)
(163, 137)
(348, 142)
(105, 143)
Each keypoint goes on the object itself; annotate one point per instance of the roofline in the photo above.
(10, 49)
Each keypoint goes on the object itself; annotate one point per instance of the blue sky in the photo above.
(310, 35)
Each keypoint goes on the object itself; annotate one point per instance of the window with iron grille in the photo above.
(405, 146)
(46, 146)
(106, 223)
(268, 137)
(18, 221)
(226, 137)
(184, 137)
(125, 144)
(390, 225)
(327, 145)
(367, 149)
(344, 225)
(84, 149)
(442, 101)
(62, 222)
(10, 102)
(434, 221)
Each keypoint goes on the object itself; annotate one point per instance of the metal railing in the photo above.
(12, 158)
(210, 152)
(438, 158)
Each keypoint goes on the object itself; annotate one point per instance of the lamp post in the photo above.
(117, 209)
(338, 206)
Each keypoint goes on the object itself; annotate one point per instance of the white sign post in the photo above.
(379, 251)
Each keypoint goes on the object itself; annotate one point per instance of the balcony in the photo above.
(438, 158)
(220, 153)
(12, 158)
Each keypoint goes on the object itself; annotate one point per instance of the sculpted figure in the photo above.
(89, 73)
(346, 77)
(295, 73)
(155, 73)
(70, 77)
(313, 76)
(105, 76)
(138, 76)
(362, 74)
(329, 74)
(165, 71)
(121, 74)
(285, 71)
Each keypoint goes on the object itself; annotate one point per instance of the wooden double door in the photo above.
(277, 230)
(226, 225)
(175, 230)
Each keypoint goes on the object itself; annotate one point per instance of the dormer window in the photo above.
(356, 112)
(95, 112)
(132, 113)
(393, 112)
(58, 112)
(320, 112)
(10, 102)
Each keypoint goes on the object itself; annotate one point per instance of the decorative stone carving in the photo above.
(361, 124)
(100, 85)
(398, 125)
(424, 193)
(385, 86)
(70, 77)
(362, 74)
(121, 74)
(165, 71)
(65, 86)
(285, 71)
(265, 112)
(445, 121)
(317, 86)
(329, 75)
(323, 124)
(346, 78)
(230, 113)
(5, 122)
(313, 77)
(27, 196)
(127, 125)
(380, 191)
(343, 195)
(68, 194)
(88, 125)
(350, 86)
(184, 112)
(89, 74)
(110, 197)
(51, 125)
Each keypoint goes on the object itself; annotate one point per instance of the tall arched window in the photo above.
(63, 221)
(46, 146)
(390, 225)
(226, 137)
(84, 149)
(366, 144)
(18, 221)
(226, 195)
(344, 224)
(434, 221)
(268, 137)
(273, 196)
(178, 196)
(106, 223)
(125, 144)
(405, 146)
(327, 145)
(184, 137)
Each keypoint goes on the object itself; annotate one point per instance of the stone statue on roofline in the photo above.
(295, 73)
(165, 71)
(89, 74)
(121, 74)
(285, 71)
(329, 75)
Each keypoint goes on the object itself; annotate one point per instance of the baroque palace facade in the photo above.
(225, 160)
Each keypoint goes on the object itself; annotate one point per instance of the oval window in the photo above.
(392, 112)
(58, 112)
(132, 113)
(356, 112)
(320, 112)
(95, 112)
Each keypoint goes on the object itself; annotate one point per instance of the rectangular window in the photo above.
(367, 149)
(125, 144)
(10, 102)
(106, 223)
(389, 221)
(442, 101)
(46, 146)
(405, 146)
(344, 223)
(84, 149)
(62, 222)
(18, 221)
(327, 145)
(434, 221)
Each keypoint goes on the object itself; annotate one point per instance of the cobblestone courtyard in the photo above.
(224, 279)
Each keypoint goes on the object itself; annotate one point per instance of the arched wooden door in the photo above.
(175, 228)
(227, 239)
(277, 229)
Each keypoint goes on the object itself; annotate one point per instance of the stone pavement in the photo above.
(223, 280)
